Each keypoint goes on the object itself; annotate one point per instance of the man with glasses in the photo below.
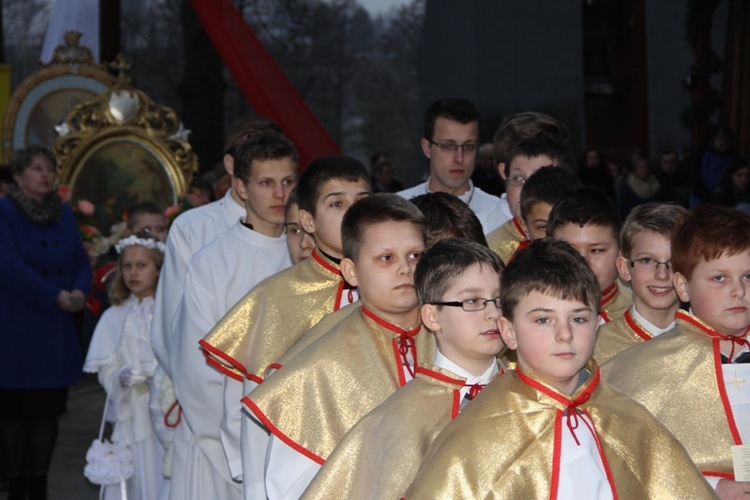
(450, 142)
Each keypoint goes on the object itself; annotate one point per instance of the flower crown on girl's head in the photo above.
(135, 240)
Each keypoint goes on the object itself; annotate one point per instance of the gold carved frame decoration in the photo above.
(121, 148)
(42, 100)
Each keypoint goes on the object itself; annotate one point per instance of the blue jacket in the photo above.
(40, 347)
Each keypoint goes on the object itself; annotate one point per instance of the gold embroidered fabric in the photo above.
(505, 240)
(268, 321)
(312, 401)
(502, 446)
(616, 336)
(380, 455)
(324, 326)
(674, 377)
(621, 302)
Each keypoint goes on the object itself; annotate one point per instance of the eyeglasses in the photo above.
(452, 147)
(647, 265)
(471, 305)
(516, 180)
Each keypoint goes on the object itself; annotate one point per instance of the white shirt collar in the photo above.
(650, 327)
(485, 378)
(465, 197)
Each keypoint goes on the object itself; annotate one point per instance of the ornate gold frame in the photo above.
(127, 116)
(72, 70)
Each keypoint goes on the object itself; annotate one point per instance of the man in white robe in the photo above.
(218, 276)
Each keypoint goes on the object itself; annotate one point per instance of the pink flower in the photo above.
(63, 191)
(86, 207)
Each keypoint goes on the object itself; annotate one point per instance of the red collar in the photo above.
(584, 395)
(325, 263)
(519, 228)
(388, 325)
(638, 329)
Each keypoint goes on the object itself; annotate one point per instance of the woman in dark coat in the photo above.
(45, 275)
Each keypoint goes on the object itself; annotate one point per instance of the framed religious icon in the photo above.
(42, 100)
(120, 149)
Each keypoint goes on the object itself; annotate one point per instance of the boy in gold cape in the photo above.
(525, 159)
(694, 378)
(458, 285)
(645, 262)
(311, 402)
(552, 428)
(588, 220)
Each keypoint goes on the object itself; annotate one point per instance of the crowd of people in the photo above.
(327, 335)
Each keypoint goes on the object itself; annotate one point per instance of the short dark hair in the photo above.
(376, 209)
(244, 129)
(142, 208)
(547, 185)
(540, 145)
(447, 216)
(457, 109)
(706, 233)
(661, 218)
(22, 158)
(551, 267)
(265, 145)
(586, 205)
(521, 126)
(323, 170)
(445, 261)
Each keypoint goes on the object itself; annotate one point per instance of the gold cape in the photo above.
(311, 402)
(618, 335)
(324, 326)
(506, 444)
(506, 239)
(615, 301)
(678, 377)
(380, 455)
(270, 318)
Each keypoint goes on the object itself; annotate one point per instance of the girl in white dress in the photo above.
(121, 354)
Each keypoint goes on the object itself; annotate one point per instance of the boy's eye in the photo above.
(579, 320)
(542, 321)
(265, 183)
(746, 277)
(647, 261)
(597, 250)
(288, 182)
(294, 230)
(336, 204)
(719, 278)
(386, 258)
(415, 256)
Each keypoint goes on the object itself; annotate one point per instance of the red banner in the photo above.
(260, 79)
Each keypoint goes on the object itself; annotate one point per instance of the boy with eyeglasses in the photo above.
(537, 193)
(695, 379)
(588, 220)
(552, 428)
(311, 402)
(458, 285)
(450, 143)
(645, 262)
(513, 130)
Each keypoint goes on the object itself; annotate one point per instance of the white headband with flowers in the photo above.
(135, 240)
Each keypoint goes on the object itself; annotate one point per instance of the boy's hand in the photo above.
(733, 490)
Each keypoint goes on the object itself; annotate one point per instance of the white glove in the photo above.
(130, 377)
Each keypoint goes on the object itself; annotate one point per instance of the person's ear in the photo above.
(239, 187)
(229, 164)
(349, 271)
(426, 147)
(428, 313)
(682, 287)
(501, 171)
(307, 221)
(507, 332)
(623, 267)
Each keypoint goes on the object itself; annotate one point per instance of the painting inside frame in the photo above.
(118, 174)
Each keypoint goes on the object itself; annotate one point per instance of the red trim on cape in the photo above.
(274, 366)
(519, 228)
(560, 398)
(725, 475)
(254, 378)
(439, 376)
(456, 407)
(339, 296)
(605, 317)
(723, 393)
(609, 294)
(209, 350)
(605, 463)
(253, 408)
(400, 331)
(213, 362)
(556, 456)
(324, 263)
(636, 327)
